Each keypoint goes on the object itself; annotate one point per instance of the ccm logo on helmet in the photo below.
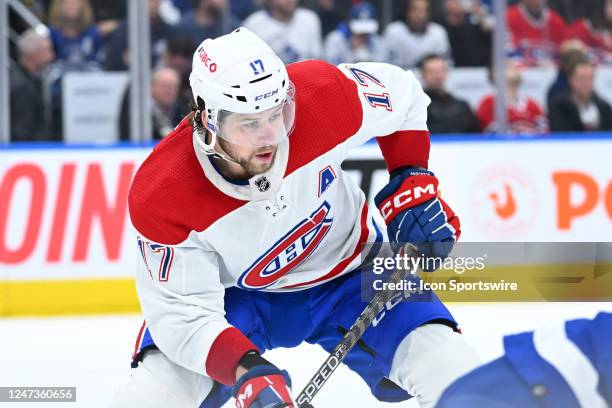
(266, 95)
(212, 67)
(400, 201)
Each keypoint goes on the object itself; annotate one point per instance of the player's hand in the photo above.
(263, 386)
(414, 213)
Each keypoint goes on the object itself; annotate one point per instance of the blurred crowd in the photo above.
(432, 36)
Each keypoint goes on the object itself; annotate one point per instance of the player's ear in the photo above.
(201, 109)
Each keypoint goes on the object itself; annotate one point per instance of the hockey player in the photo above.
(564, 364)
(250, 233)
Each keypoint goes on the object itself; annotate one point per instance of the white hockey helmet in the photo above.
(239, 73)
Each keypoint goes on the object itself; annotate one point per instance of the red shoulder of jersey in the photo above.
(581, 30)
(328, 111)
(513, 17)
(170, 196)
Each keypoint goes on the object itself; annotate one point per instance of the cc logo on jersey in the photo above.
(289, 251)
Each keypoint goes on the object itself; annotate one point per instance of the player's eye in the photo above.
(275, 117)
(251, 125)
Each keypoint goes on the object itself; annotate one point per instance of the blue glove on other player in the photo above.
(263, 386)
(414, 213)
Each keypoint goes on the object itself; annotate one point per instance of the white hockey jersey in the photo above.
(298, 225)
(406, 48)
(298, 39)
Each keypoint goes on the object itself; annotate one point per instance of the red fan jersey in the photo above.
(526, 116)
(535, 41)
(599, 41)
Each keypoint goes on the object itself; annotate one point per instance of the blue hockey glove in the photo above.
(414, 213)
(263, 386)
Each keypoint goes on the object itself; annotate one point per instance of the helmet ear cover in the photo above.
(202, 133)
(198, 108)
(205, 139)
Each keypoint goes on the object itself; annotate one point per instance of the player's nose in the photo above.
(268, 135)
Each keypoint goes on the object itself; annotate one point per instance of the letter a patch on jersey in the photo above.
(326, 177)
(289, 251)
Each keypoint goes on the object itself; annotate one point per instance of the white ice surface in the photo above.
(92, 353)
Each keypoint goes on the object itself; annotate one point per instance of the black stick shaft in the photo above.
(349, 340)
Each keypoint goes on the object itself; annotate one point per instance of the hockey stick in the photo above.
(351, 338)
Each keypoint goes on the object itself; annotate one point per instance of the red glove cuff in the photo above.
(413, 191)
(405, 148)
(225, 354)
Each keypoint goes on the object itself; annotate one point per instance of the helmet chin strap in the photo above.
(209, 148)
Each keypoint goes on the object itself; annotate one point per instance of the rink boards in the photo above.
(66, 244)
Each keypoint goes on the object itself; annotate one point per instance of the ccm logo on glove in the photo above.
(414, 213)
(246, 394)
(413, 191)
(263, 386)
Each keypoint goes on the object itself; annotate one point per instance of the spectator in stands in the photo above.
(108, 9)
(165, 86)
(356, 40)
(524, 114)
(117, 49)
(573, 52)
(483, 10)
(178, 56)
(596, 32)
(77, 41)
(165, 110)
(243, 8)
(294, 33)
(569, 10)
(330, 12)
(445, 113)
(580, 108)
(469, 35)
(182, 6)
(210, 19)
(169, 12)
(410, 40)
(536, 32)
(29, 115)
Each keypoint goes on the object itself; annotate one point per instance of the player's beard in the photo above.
(250, 164)
(253, 167)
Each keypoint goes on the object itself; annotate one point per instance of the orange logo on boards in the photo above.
(504, 207)
(578, 195)
(504, 202)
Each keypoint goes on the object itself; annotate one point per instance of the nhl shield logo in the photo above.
(289, 251)
(263, 184)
